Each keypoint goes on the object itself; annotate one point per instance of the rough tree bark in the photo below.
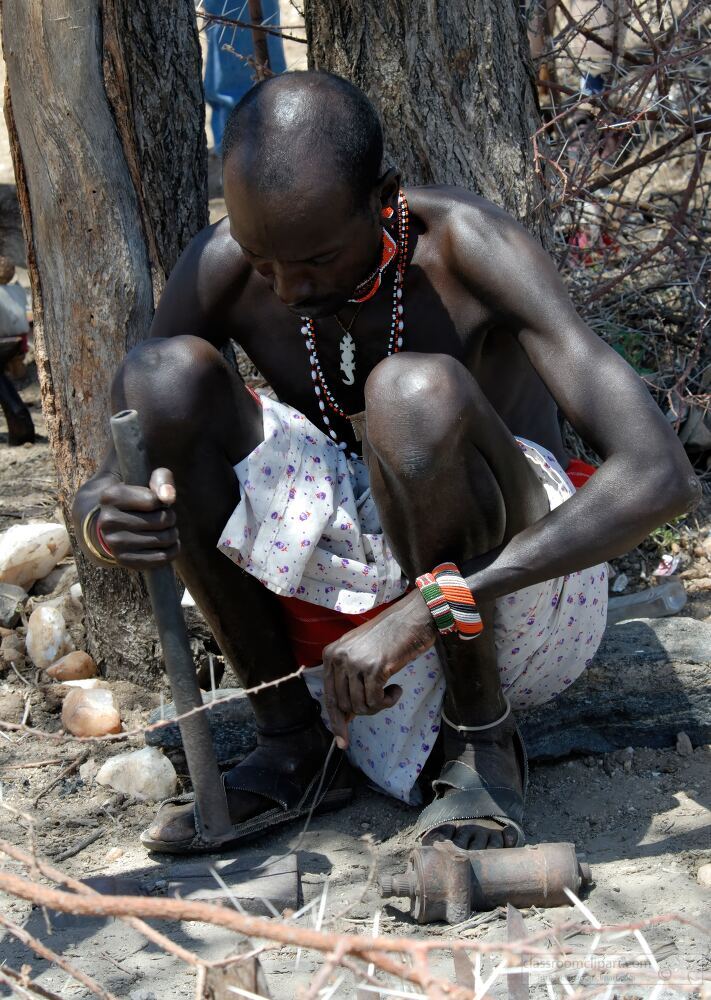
(106, 121)
(453, 82)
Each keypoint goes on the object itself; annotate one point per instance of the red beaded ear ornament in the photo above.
(387, 213)
(367, 289)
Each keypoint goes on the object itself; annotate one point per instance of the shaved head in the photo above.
(301, 128)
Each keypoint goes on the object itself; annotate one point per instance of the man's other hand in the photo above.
(358, 666)
(138, 523)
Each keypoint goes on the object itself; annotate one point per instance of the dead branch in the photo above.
(39, 865)
(44, 952)
(64, 773)
(22, 984)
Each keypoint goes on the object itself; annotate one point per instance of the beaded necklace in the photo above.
(322, 391)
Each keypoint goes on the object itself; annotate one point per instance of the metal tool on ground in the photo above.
(210, 799)
(444, 882)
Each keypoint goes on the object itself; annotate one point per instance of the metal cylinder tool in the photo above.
(210, 799)
(444, 882)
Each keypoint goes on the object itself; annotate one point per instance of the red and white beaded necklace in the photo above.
(397, 327)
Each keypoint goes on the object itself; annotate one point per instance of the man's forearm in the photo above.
(605, 519)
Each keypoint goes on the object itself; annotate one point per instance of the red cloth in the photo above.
(311, 627)
(578, 472)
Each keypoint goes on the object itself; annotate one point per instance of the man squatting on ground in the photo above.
(429, 330)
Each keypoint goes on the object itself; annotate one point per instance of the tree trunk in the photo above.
(454, 86)
(106, 121)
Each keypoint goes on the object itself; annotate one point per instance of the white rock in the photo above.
(85, 684)
(145, 774)
(90, 713)
(703, 876)
(113, 854)
(47, 636)
(28, 552)
(76, 591)
(88, 771)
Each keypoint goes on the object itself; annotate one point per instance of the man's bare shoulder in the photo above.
(215, 261)
(210, 274)
(476, 237)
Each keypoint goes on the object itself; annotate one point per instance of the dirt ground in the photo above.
(642, 818)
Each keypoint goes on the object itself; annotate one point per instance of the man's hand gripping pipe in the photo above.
(210, 800)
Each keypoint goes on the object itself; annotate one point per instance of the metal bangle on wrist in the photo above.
(99, 549)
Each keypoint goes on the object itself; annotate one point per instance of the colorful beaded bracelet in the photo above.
(437, 603)
(460, 600)
(450, 601)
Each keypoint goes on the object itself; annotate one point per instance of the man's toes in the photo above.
(510, 836)
(462, 837)
(496, 839)
(445, 832)
(173, 824)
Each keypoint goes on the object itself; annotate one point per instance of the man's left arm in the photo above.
(645, 478)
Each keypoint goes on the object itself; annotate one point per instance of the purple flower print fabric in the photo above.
(307, 526)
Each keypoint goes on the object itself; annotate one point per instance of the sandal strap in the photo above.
(265, 782)
(503, 804)
(475, 798)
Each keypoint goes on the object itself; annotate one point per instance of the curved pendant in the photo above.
(348, 359)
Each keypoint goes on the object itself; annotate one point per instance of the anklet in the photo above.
(478, 729)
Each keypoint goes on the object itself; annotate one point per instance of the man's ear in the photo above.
(387, 189)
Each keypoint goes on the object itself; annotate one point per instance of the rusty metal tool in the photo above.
(444, 882)
(210, 799)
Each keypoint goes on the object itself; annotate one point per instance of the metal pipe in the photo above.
(444, 882)
(210, 799)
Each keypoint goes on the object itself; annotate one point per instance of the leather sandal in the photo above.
(481, 791)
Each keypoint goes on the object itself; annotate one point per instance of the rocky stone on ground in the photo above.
(145, 774)
(28, 552)
(90, 713)
(47, 636)
(74, 666)
(61, 578)
(650, 679)
(12, 599)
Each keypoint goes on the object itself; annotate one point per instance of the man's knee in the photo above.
(416, 405)
(169, 381)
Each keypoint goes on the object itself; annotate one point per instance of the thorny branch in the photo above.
(62, 737)
(628, 182)
(339, 949)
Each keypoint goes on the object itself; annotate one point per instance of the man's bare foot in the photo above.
(291, 760)
(482, 778)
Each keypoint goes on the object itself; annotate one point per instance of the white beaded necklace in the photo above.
(322, 391)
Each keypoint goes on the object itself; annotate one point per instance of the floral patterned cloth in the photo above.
(307, 526)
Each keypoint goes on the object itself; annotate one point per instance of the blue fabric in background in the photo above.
(227, 77)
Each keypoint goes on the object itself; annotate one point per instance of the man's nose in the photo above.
(292, 285)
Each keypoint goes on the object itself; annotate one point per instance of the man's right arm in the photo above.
(199, 299)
